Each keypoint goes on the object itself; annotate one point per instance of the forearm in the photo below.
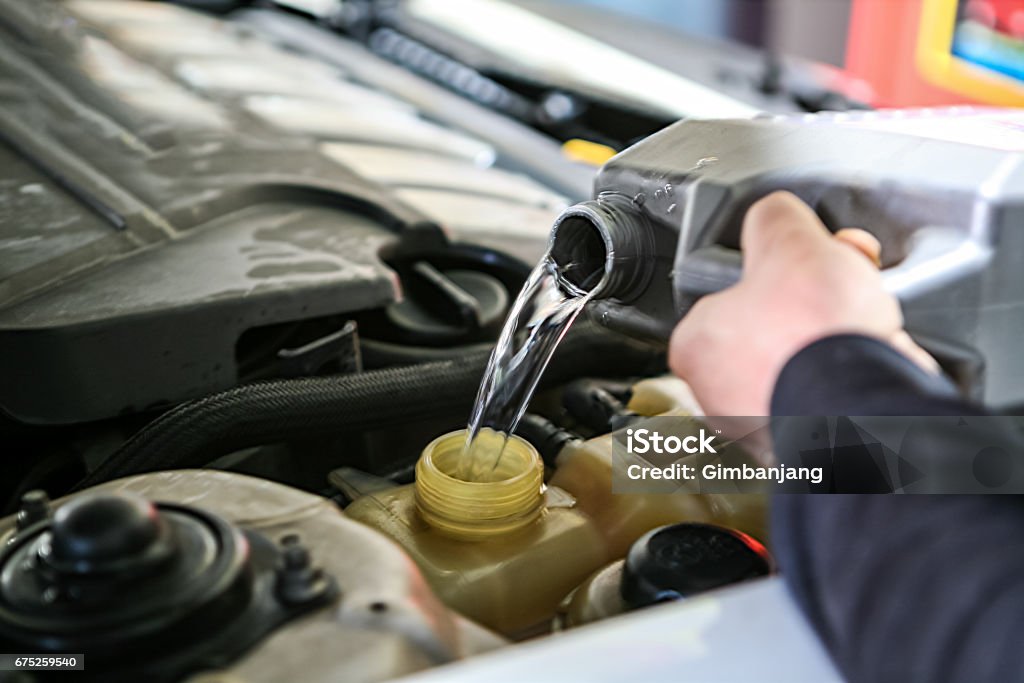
(901, 588)
(909, 588)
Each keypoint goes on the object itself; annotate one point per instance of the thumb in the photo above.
(862, 241)
(780, 227)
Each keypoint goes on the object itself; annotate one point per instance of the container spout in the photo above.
(603, 248)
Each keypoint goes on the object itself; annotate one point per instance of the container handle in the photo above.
(938, 257)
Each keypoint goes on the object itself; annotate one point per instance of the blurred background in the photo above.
(895, 52)
(814, 29)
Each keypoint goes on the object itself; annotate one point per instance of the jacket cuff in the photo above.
(852, 374)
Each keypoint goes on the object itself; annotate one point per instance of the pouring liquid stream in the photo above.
(541, 315)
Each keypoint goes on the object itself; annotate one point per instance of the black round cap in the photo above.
(111, 573)
(443, 307)
(681, 560)
(107, 532)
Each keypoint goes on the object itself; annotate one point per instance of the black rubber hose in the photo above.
(548, 438)
(380, 354)
(196, 433)
(598, 405)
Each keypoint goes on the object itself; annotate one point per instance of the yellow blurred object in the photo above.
(587, 152)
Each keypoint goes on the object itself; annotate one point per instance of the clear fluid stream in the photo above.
(541, 315)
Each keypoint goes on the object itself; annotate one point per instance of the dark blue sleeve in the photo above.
(851, 374)
(900, 588)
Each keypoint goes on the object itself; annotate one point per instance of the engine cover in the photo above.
(173, 180)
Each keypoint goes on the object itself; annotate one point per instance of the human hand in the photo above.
(800, 283)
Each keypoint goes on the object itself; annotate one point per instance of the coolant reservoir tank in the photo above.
(503, 552)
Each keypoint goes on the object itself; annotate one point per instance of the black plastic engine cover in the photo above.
(140, 236)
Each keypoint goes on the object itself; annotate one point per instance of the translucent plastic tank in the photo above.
(503, 552)
(584, 469)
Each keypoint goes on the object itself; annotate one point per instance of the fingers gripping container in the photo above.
(942, 191)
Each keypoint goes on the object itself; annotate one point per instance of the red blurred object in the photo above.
(1006, 16)
(881, 51)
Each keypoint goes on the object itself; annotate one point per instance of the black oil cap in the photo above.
(106, 533)
(446, 306)
(681, 560)
(452, 296)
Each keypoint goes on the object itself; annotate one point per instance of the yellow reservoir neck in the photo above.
(511, 499)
